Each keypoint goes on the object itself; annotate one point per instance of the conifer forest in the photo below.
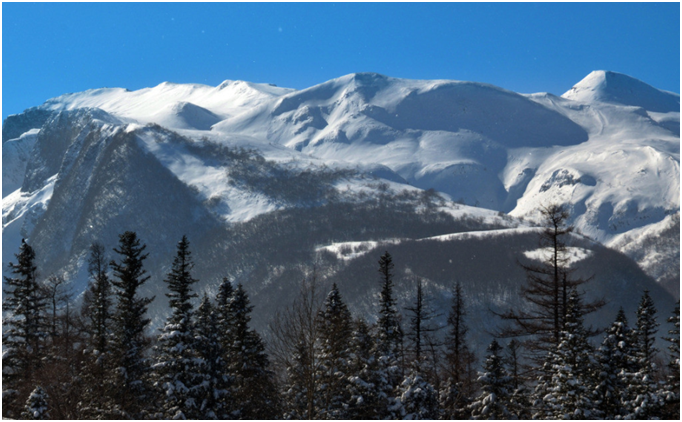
(98, 358)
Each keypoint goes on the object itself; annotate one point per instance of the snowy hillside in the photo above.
(236, 164)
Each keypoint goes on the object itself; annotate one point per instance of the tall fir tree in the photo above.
(614, 360)
(131, 390)
(96, 309)
(212, 391)
(643, 399)
(24, 330)
(253, 390)
(335, 328)
(389, 337)
(493, 402)
(366, 401)
(177, 366)
(569, 391)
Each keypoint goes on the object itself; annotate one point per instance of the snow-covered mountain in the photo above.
(236, 164)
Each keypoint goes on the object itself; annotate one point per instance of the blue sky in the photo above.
(49, 49)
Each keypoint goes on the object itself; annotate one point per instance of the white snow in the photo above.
(609, 147)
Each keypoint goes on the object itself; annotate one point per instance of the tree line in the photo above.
(321, 362)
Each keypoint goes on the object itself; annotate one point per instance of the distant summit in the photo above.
(617, 88)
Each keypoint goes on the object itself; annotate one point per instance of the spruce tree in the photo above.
(212, 390)
(176, 371)
(366, 400)
(97, 303)
(614, 360)
(643, 400)
(335, 328)
(37, 405)
(389, 338)
(23, 329)
(253, 390)
(569, 392)
(416, 397)
(129, 376)
(493, 402)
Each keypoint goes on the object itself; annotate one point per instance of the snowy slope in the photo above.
(608, 149)
(179, 106)
(617, 88)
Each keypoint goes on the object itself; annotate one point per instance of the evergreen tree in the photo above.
(366, 401)
(571, 385)
(176, 371)
(614, 360)
(671, 390)
(131, 392)
(389, 338)
(416, 397)
(253, 389)
(493, 402)
(297, 397)
(643, 400)
(36, 406)
(335, 328)
(23, 329)
(212, 391)
(96, 309)
(223, 312)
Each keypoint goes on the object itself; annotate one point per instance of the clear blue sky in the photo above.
(53, 48)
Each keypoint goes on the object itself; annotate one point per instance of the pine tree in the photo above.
(643, 400)
(416, 397)
(253, 390)
(131, 392)
(671, 390)
(176, 371)
(335, 328)
(493, 402)
(614, 360)
(36, 406)
(571, 385)
(23, 329)
(212, 391)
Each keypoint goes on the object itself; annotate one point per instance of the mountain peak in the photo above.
(605, 86)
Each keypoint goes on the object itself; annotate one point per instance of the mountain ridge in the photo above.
(432, 157)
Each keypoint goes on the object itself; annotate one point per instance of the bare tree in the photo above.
(295, 332)
(548, 286)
